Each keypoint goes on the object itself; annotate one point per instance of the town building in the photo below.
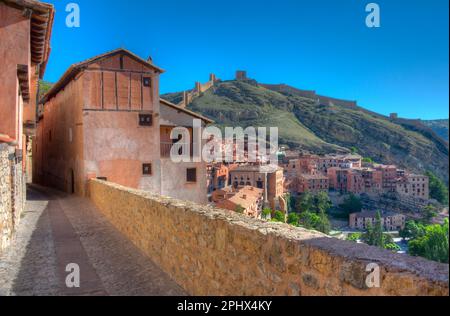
(373, 181)
(391, 221)
(339, 161)
(218, 176)
(345, 180)
(247, 200)
(313, 183)
(25, 30)
(104, 119)
(267, 177)
(304, 164)
(414, 186)
(388, 175)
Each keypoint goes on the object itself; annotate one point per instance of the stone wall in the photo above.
(199, 88)
(12, 194)
(210, 251)
(396, 203)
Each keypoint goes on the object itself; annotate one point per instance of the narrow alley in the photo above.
(57, 229)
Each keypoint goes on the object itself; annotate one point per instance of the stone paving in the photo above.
(57, 229)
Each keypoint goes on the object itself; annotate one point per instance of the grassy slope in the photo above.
(304, 124)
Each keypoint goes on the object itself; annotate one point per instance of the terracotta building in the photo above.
(304, 164)
(104, 119)
(390, 221)
(389, 176)
(312, 183)
(218, 176)
(373, 181)
(267, 177)
(415, 186)
(25, 30)
(248, 200)
(345, 180)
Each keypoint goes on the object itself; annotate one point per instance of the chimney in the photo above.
(244, 196)
(150, 59)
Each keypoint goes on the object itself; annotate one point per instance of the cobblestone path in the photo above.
(56, 230)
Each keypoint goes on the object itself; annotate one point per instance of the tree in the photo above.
(374, 235)
(322, 202)
(309, 220)
(279, 217)
(433, 245)
(367, 160)
(306, 202)
(438, 189)
(266, 213)
(412, 230)
(44, 87)
(429, 212)
(354, 236)
(323, 225)
(393, 247)
(293, 219)
(351, 204)
(354, 150)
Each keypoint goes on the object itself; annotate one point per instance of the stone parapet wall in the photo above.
(12, 195)
(209, 251)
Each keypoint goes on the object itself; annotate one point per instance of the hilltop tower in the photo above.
(241, 75)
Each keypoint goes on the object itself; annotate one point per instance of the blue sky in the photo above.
(322, 45)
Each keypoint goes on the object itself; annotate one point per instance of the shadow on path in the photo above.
(58, 229)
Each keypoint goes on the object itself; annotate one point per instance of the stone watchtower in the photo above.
(393, 116)
(241, 75)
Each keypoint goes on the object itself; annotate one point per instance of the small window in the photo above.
(145, 120)
(147, 82)
(191, 175)
(147, 169)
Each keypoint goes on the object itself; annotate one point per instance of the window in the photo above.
(147, 169)
(147, 81)
(145, 120)
(121, 62)
(191, 175)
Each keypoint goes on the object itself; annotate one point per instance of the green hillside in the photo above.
(305, 124)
